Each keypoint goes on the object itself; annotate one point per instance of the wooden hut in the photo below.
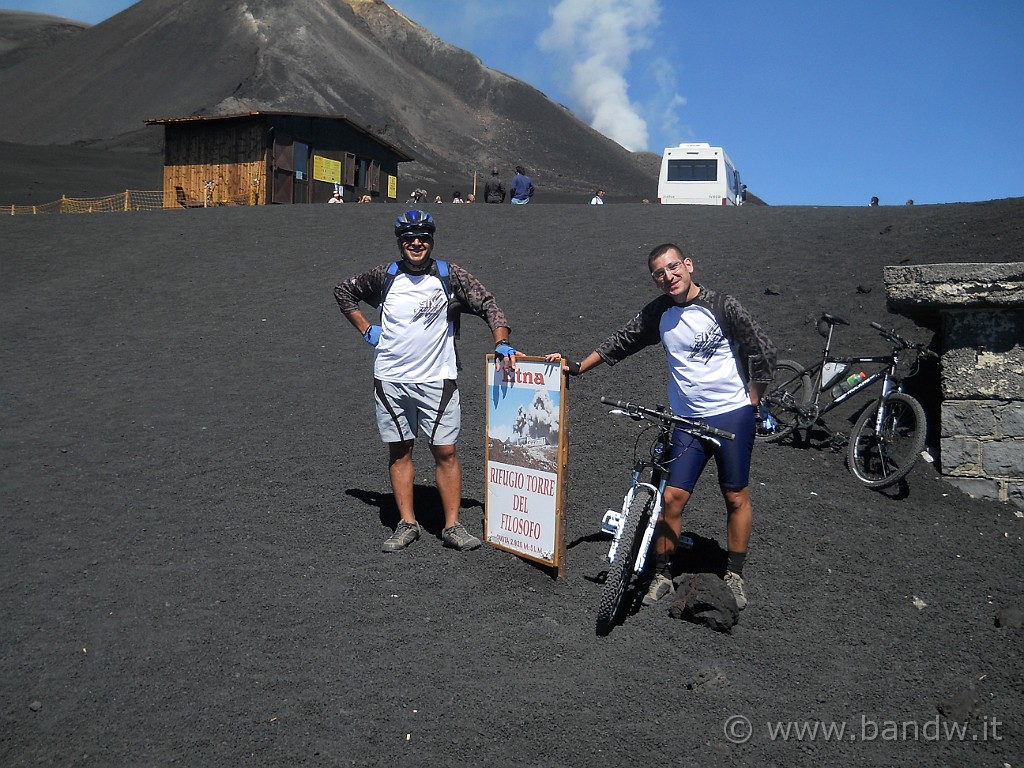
(262, 158)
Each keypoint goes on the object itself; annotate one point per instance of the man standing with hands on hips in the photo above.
(720, 362)
(415, 365)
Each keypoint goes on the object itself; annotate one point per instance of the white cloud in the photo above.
(597, 38)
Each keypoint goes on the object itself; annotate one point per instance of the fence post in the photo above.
(126, 200)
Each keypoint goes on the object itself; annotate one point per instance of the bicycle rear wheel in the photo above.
(880, 459)
(790, 389)
(620, 571)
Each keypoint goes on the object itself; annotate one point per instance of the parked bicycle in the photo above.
(889, 435)
(632, 528)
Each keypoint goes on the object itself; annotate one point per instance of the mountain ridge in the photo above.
(355, 57)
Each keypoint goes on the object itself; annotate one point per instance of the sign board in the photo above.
(526, 459)
(392, 186)
(325, 169)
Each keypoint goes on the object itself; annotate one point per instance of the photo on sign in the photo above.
(524, 431)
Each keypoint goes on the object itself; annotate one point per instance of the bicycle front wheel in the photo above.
(789, 391)
(882, 458)
(620, 571)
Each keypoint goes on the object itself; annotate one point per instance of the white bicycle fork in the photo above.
(612, 523)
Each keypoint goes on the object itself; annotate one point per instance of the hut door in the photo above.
(284, 169)
(300, 156)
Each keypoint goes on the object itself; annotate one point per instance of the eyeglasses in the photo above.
(412, 236)
(659, 274)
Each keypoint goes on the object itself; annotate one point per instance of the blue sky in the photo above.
(817, 103)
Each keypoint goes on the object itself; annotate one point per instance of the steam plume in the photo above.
(597, 38)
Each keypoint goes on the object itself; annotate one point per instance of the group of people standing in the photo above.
(719, 363)
(521, 190)
(519, 193)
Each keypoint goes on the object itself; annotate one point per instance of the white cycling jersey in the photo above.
(704, 380)
(417, 342)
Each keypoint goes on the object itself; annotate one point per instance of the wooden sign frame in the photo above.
(526, 459)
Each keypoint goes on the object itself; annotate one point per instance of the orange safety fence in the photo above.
(129, 200)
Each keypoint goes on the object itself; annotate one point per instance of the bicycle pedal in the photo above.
(610, 522)
(838, 442)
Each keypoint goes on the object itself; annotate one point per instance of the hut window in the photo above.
(301, 161)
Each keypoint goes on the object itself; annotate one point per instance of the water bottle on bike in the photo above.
(847, 384)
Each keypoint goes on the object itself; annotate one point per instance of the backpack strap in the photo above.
(718, 310)
(388, 282)
(454, 314)
(443, 275)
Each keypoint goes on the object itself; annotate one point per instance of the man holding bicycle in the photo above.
(415, 365)
(720, 362)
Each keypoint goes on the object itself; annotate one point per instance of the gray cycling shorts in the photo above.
(405, 411)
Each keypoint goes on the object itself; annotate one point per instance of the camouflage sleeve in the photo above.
(750, 340)
(640, 332)
(367, 287)
(473, 297)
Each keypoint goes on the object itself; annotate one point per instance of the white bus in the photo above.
(698, 174)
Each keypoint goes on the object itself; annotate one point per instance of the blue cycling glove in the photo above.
(504, 349)
(372, 335)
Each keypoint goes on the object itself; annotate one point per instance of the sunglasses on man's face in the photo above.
(423, 238)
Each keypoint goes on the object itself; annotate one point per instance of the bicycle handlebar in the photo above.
(699, 428)
(891, 335)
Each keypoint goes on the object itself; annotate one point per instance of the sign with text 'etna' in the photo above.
(527, 453)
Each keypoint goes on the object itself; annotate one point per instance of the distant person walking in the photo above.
(598, 198)
(522, 187)
(494, 189)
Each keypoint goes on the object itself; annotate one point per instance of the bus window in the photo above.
(693, 170)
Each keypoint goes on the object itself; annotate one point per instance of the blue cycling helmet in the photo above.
(415, 222)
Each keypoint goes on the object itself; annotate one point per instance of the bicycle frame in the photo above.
(886, 375)
(810, 412)
(888, 434)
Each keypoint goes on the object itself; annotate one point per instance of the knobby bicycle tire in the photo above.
(621, 570)
(790, 389)
(882, 460)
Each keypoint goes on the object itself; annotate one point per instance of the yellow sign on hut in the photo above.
(325, 169)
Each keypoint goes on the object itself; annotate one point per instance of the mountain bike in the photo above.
(889, 435)
(632, 528)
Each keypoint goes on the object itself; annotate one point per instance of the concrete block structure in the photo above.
(978, 311)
